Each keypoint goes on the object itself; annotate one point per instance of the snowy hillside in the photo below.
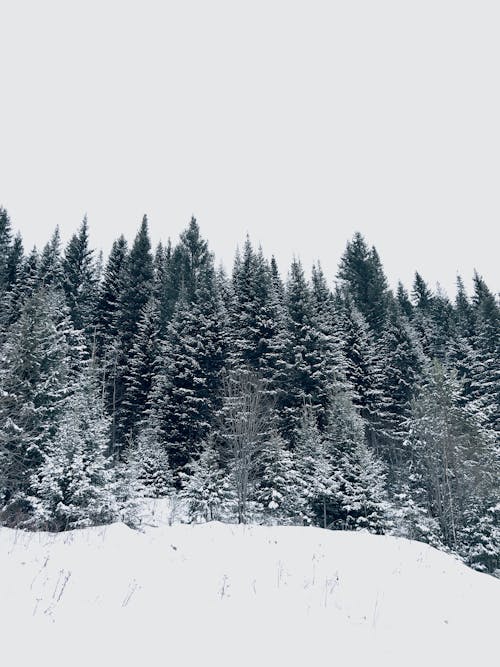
(219, 594)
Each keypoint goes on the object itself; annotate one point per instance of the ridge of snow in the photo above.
(224, 594)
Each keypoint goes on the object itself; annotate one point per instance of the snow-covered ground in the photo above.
(221, 595)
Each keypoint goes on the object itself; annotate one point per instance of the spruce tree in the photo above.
(51, 264)
(207, 488)
(359, 491)
(364, 371)
(403, 301)
(151, 460)
(143, 365)
(452, 453)
(187, 392)
(73, 487)
(330, 364)
(313, 471)
(34, 372)
(403, 364)
(357, 497)
(306, 381)
(80, 282)
(137, 289)
(256, 321)
(279, 489)
(5, 250)
(487, 345)
(110, 295)
(138, 285)
(361, 274)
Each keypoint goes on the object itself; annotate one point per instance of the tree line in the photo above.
(350, 406)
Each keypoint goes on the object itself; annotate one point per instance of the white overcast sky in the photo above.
(297, 122)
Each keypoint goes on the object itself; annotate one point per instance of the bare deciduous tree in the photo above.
(246, 418)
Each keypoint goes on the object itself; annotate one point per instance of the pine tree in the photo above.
(51, 264)
(137, 288)
(487, 344)
(12, 287)
(480, 537)
(313, 471)
(73, 487)
(151, 459)
(279, 288)
(442, 317)
(256, 321)
(307, 383)
(5, 251)
(330, 364)
(361, 274)
(143, 364)
(364, 371)
(207, 488)
(422, 320)
(80, 282)
(193, 259)
(464, 316)
(402, 371)
(188, 387)
(279, 490)
(34, 371)
(360, 494)
(403, 301)
(357, 496)
(110, 294)
(453, 455)
(138, 284)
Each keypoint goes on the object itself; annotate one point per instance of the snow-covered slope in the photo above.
(219, 594)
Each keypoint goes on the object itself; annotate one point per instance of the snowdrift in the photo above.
(219, 594)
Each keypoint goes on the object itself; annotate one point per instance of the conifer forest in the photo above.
(263, 395)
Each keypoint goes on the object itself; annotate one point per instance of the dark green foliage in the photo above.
(144, 361)
(361, 273)
(257, 325)
(353, 410)
(364, 369)
(74, 485)
(403, 301)
(5, 250)
(188, 392)
(402, 371)
(80, 281)
(135, 282)
(138, 284)
(51, 273)
(110, 294)
(34, 377)
(454, 462)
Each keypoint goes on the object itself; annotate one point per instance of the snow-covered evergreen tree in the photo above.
(80, 280)
(34, 376)
(364, 370)
(73, 486)
(279, 490)
(452, 454)
(403, 364)
(308, 356)
(207, 488)
(357, 492)
(361, 274)
(152, 462)
(188, 387)
(143, 366)
(313, 470)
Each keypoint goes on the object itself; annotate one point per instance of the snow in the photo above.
(218, 594)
